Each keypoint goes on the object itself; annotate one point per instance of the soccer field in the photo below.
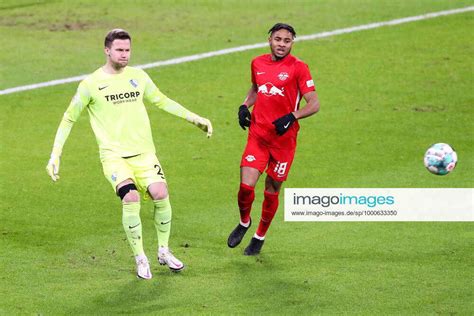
(386, 94)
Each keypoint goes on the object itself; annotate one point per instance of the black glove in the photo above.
(244, 116)
(282, 125)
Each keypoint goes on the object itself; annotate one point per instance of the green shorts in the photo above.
(143, 170)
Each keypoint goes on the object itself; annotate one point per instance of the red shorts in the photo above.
(259, 154)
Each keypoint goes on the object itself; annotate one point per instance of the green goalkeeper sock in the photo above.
(133, 226)
(163, 221)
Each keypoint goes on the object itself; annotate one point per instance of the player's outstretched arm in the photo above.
(177, 109)
(157, 98)
(203, 123)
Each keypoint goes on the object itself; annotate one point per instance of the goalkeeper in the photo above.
(114, 97)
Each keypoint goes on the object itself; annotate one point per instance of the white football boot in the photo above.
(165, 257)
(143, 267)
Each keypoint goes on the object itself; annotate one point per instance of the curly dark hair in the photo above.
(282, 26)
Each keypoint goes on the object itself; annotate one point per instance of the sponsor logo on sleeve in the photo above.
(310, 83)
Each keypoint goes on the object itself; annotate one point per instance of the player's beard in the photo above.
(119, 65)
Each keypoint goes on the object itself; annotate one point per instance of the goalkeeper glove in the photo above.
(282, 125)
(244, 116)
(202, 123)
(53, 167)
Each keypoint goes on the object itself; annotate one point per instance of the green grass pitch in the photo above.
(386, 94)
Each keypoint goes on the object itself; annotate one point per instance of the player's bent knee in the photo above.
(131, 197)
(128, 193)
(158, 191)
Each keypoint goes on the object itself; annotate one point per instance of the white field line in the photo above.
(180, 60)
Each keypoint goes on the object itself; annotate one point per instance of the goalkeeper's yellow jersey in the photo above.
(117, 112)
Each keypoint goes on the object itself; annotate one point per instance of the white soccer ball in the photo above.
(440, 159)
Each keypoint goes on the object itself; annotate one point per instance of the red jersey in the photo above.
(280, 86)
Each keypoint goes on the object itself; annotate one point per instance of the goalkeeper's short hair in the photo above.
(116, 34)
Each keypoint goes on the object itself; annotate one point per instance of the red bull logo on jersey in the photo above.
(269, 90)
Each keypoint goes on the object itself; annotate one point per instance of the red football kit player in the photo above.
(279, 81)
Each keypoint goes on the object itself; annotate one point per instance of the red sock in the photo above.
(245, 198)
(269, 209)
